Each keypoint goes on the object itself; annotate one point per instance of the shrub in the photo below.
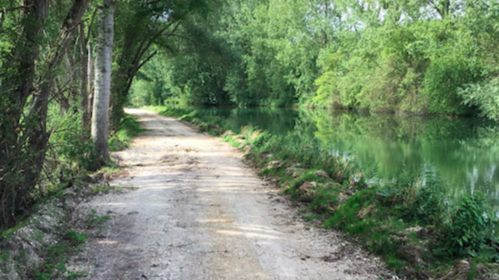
(470, 230)
(129, 127)
(70, 143)
(485, 96)
(442, 80)
(425, 203)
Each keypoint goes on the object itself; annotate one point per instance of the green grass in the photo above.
(11, 230)
(104, 188)
(57, 255)
(122, 137)
(109, 170)
(96, 221)
(5, 257)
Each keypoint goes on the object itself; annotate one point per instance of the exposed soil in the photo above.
(198, 212)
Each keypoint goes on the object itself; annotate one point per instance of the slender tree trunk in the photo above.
(86, 72)
(2, 18)
(84, 79)
(37, 135)
(90, 82)
(102, 88)
(22, 154)
(20, 85)
(324, 28)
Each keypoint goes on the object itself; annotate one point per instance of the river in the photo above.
(462, 153)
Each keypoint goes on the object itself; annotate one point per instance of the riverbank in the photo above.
(408, 223)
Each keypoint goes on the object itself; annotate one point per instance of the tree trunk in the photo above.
(102, 85)
(90, 82)
(2, 18)
(36, 134)
(84, 78)
(19, 86)
(22, 154)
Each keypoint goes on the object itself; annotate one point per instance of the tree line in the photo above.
(402, 56)
(65, 63)
(66, 67)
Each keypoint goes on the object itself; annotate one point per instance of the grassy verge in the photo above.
(57, 255)
(122, 137)
(408, 223)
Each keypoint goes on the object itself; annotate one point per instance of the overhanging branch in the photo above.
(147, 59)
(183, 37)
(143, 48)
(16, 8)
(136, 69)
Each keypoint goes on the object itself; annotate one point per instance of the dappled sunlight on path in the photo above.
(197, 212)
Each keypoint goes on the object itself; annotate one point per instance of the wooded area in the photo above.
(64, 61)
(68, 68)
(423, 56)
(56, 60)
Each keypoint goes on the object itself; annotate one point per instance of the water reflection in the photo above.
(463, 153)
(273, 120)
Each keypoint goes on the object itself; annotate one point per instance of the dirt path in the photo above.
(199, 213)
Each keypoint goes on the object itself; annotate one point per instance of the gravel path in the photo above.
(199, 213)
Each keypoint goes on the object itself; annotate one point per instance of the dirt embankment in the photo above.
(199, 213)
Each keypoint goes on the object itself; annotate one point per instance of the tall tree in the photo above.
(102, 87)
(24, 137)
(17, 85)
(86, 71)
(37, 133)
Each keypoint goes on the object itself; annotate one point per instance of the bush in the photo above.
(485, 96)
(470, 231)
(443, 79)
(71, 144)
(122, 137)
(425, 202)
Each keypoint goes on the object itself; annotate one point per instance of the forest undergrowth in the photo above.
(71, 164)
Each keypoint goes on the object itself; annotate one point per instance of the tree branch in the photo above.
(182, 37)
(136, 69)
(16, 8)
(92, 20)
(435, 5)
(146, 60)
(144, 46)
(156, 37)
(143, 49)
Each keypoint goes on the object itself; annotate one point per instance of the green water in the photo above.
(462, 153)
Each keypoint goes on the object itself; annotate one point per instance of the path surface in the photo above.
(199, 213)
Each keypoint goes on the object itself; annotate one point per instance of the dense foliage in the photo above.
(416, 56)
(397, 56)
(47, 53)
